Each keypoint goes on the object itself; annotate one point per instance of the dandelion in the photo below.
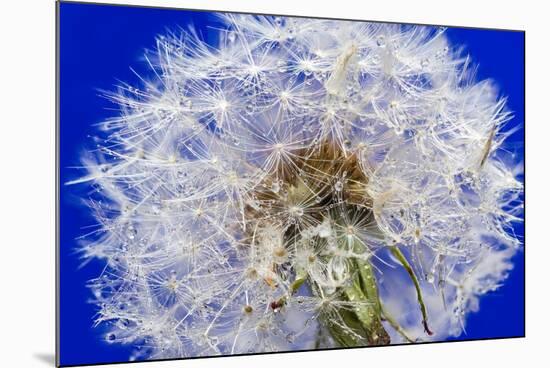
(302, 184)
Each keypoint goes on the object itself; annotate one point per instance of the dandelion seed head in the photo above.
(243, 189)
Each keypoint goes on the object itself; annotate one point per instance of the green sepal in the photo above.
(363, 319)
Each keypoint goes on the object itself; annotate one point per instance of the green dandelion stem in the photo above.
(393, 322)
(401, 258)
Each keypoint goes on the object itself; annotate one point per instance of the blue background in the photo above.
(98, 44)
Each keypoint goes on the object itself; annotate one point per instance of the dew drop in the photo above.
(290, 33)
(281, 66)
(131, 232)
(425, 63)
(275, 187)
(457, 311)
(213, 340)
(249, 108)
(290, 337)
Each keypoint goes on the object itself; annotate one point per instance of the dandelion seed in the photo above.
(248, 309)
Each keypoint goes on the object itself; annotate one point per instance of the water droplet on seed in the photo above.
(424, 63)
(381, 41)
(131, 232)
